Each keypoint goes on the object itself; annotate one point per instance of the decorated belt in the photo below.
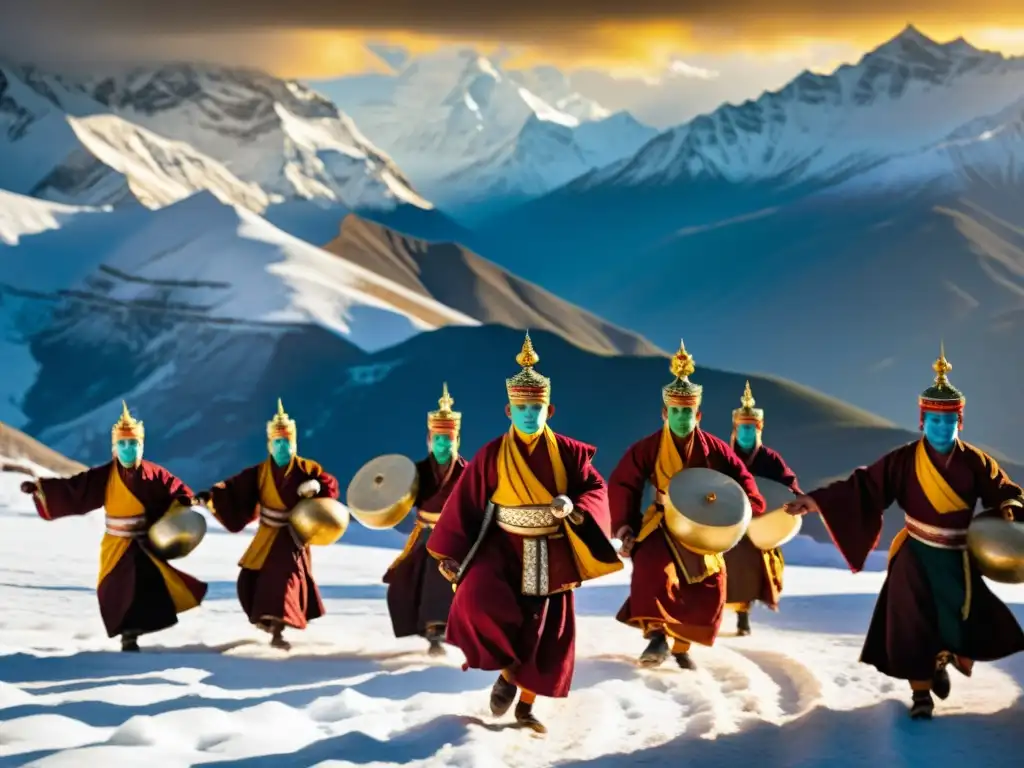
(127, 527)
(535, 524)
(528, 521)
(274, 518)
(429, 519)
(934, 536)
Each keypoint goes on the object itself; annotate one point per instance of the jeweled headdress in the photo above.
(281, 426)
(444, 419)
(528, 386)
(747, 413)
(682, 392)
(127, 427)
(942, 397)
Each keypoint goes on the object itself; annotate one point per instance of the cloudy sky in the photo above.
(704, 50)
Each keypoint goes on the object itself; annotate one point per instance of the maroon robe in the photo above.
(913, 621)
(491, 621)
(419, 597)
(134, 596)
(283, 588)
(753, 574)
(657, 600)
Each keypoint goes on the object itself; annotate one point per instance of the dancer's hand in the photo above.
(625, 535)
(449, 569)
(802, 505)
(29, 487)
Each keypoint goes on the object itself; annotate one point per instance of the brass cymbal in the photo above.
(383, 491)
(178, 532)
(998, 547)
(319, 522)
(706, 511)
(776, 526)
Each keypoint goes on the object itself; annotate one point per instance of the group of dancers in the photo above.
(501, 542)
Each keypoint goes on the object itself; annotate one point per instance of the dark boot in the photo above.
(435, 636)
(923, 705)
(502, 695)
(277, 637)
(683, 660)
(656, 652)
(743, 623)
(526, 718)
(129, 642)
(941, 684)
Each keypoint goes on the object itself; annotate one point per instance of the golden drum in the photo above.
(706, 511)
(776, 526)
(383, 491)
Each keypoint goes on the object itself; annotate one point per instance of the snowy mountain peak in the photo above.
(279, 135)
(908, 93)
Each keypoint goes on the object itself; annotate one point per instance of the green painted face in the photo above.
(529, 418)
(442, 447)
(281, 451)
(129, 452)
(681, 421)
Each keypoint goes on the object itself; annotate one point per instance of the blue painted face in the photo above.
(681, 421)
(129, 452)
(442, 447)
(746, 436)
(529, 418)
(941, 430)
(281, 451)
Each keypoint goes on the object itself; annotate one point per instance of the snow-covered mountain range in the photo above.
(157, 135)
(870, 211)
(469, 133)
(903, 96)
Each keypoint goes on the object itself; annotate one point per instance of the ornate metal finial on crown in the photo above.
(445, 403)
(747, 401)
(942, 366)
(527, 357)
(682, 362)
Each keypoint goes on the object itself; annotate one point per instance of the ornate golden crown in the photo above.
(528, 386)
(682, 392)
(127, 427)
(747, 413)
(281, 425)
(444, 419)
(942, 396)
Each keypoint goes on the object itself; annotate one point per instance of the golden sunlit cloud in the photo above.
(322, 38)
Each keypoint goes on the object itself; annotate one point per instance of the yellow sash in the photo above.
(270, 498)
(119, 501)
(518, 486)
(944, 501)
(668, 464)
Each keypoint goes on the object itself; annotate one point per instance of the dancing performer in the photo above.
(673, 592)
(419, 597)
(934, 609)
(275, 586)
(753, 574)
(513, 609)
(139, 593)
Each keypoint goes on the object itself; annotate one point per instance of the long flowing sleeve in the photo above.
(328, 484)
(171, 489)
(778, 470)
(235, 502)
(852, 509)
(995, 488)
(75, 495)
(459, 526)
(592, 551)
(626, 487)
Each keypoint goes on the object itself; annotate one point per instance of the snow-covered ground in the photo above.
(210, 691)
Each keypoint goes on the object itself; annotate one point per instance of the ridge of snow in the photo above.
(277, 135)
(22, 216)
(907, 94)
